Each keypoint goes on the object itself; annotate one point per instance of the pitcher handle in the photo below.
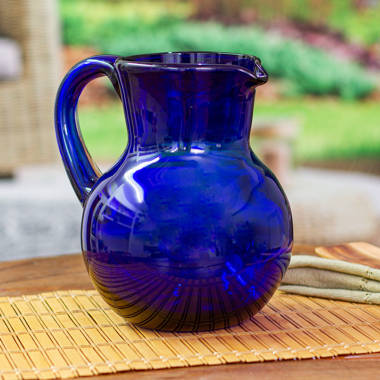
(82, 171)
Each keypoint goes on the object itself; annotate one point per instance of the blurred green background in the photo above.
(323, 57)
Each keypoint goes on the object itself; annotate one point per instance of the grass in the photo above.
(330, 129)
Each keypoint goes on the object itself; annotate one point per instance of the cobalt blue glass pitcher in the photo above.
(188, 231)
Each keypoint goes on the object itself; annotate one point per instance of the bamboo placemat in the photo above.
(74, 333)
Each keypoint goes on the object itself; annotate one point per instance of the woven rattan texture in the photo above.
(74, 333)
(27, 104)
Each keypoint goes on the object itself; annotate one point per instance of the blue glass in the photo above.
(188, 231)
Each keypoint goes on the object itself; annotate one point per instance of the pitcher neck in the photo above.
(185, 109)
(189, 127)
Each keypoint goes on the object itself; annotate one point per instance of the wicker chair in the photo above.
(26, 104)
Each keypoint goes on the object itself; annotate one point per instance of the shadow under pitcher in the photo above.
(188, 231)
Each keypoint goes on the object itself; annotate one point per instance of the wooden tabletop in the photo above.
(68, 272)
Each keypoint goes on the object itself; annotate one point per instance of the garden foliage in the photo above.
(306, 69)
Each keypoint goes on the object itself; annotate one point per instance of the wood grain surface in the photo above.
(358, 252)
(68, 272)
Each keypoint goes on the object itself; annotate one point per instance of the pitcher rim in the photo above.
(135, 56)
(147, 61)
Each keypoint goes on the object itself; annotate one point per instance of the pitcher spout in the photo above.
(259, 73)
(248, 65)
